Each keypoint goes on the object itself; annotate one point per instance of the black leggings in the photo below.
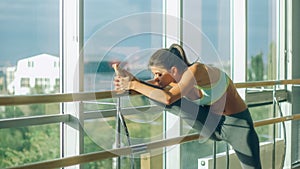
(237, 129)
(239, 132)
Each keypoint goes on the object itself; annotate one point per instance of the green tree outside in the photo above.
(256, 69)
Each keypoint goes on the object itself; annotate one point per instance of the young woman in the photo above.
(206, 95)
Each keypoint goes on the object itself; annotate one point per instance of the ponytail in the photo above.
(169, 57)
(178, 51)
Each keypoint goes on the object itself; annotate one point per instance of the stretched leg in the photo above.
(238, 130)
(201, 118)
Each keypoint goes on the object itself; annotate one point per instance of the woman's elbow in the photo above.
(169, 100)
(164, 98)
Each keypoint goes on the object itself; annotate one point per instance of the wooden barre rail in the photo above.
(85, 158)
(266, 83)
(71, 97)
(54, 98)
(276, 120)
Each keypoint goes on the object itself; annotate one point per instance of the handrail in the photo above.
(84, 96)
(54, 98)
(90, 157)
(266, 83)
(34, 120)
(276, 120)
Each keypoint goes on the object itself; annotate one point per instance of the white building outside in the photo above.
(40, 70)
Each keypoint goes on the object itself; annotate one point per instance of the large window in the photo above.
(206, 32)
(28, 29)
(206, 36)
(125, 32)
(262, 35)
(261, 40)
(29, 35)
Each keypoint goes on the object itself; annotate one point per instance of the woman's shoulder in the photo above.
(196, 66)
(203, 68)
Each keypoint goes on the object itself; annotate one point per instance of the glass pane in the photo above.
(262, 113)
(144, 126)
(29, 110)
(24, 145)
(206, 32)
(190, 152)
(29, 46)
(29, 64)
(206, 35)
(261, 40)
(125, 32)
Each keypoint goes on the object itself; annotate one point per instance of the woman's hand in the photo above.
(122, 72)
(122, 79)
(122, 83)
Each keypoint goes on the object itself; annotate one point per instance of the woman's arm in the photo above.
(151, 91)
(167, 96)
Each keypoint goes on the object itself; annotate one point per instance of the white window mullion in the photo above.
(238, 44)
(71, 76)
(172, 31)
(172, 22)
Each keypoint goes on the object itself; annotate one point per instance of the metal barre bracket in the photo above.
(289, 118)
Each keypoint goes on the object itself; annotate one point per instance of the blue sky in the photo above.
(31, 27)
(28, 28)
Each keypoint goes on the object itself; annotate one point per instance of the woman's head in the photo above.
(168, 65)
(170, 57)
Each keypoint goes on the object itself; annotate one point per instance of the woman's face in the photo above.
(162, 77)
